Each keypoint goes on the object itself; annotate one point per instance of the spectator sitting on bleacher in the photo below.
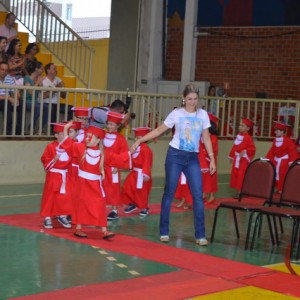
(3, 43)
(34, 78)
(53, 98)
(16, 61)
(11, 100)
(31, 51)
(7, 29)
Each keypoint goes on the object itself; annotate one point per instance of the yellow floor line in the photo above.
(246, 293)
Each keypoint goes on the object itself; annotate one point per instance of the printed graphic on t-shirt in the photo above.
(189, 133)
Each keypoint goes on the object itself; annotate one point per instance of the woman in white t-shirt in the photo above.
(190, 124)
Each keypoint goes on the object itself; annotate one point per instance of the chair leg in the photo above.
(249, 229)
(298, 238)
(281, 226)
(270, 230)
(236, 224)
(256, 223)
(214, 225)
(275, 229)
(260, 226)
(294, 235)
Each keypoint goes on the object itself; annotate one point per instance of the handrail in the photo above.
(151, 109)
(56, 36)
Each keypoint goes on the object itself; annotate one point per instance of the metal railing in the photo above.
(150, 110)
(56, 36)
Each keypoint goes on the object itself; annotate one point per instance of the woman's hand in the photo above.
(134, 146)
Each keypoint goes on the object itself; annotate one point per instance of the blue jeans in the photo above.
(178, 161)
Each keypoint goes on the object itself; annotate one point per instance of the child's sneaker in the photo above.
(64, 222)
(130, 208)
(113, 215)
(48, 223)
(144, 212)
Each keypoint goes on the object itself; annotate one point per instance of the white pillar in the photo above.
(189, 42)
(149, 66)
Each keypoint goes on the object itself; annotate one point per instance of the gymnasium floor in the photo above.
(52, 264)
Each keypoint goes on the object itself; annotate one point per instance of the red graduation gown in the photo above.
(56, 197)
(114, 144)
(90, 205)
(281, 154)
(242, 142)
(209, 182)
(135, 190)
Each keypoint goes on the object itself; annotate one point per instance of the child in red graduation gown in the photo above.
(183, 193)
(73, 133)
(137, 185)
(209, 182)
(114, 143)
(241, 154)
(81, 114)
(56, 198)
(282, 153)
(90, 204)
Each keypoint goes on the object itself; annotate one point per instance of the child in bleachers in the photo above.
(137, 185)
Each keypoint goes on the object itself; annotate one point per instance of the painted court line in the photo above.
(20, 196)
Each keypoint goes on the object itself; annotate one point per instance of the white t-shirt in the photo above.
(48, 83)
(188, 128)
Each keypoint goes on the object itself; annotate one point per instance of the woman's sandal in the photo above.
(80, 234)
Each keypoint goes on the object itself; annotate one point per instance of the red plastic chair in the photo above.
(258, 183)
(290, 196)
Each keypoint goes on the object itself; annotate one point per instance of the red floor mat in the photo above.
(181, 258)
(175, 285)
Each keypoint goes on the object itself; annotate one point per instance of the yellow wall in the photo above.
(100, 64)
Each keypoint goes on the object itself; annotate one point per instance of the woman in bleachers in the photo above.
(16, 61)
(31, 51)
(3, 43)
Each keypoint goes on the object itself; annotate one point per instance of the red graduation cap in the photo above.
(99, 132)
(58, 127)
(141, 131)
(81, 111)
(213, 118)
(280, 125)
(114, 117)
(76, 125)
(247, 122)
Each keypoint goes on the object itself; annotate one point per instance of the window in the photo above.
(69, 12)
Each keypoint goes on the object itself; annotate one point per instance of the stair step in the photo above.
(44, 58)
(70, 81)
